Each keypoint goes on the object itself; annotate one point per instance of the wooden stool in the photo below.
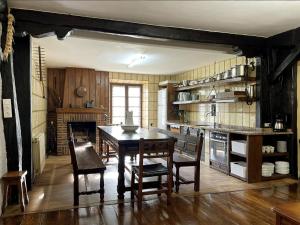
(17, 178)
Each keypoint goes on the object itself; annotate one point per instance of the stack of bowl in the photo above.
(282, 167)
(267, 169)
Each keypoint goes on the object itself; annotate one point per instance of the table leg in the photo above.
(121, 170)
(100, 144)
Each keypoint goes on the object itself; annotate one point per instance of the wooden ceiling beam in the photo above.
(44, 23)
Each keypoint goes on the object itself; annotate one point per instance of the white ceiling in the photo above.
(259, 18)
(115, 55)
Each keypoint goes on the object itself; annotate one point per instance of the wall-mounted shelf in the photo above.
(192, 102)
(275, 154)
(236, 80)
(275, 176)
(228, 100)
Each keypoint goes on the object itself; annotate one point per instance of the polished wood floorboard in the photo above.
(250, 207)
(53, 190)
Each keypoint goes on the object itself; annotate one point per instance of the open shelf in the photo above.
(228, 100)
(192, 102)
(275, 176)
(236, 176)
(217, 83)
(275, 154)
(238, 154)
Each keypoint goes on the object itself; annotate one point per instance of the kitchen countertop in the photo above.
(231, 129)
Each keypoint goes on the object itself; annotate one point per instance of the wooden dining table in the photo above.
(125, 143)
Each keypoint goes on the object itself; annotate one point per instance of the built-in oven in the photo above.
(218, 144)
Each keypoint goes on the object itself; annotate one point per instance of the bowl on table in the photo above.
(129, 128)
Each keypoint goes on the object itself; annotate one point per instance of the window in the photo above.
(126, 97)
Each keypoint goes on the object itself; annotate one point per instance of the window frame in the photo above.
(127, 85)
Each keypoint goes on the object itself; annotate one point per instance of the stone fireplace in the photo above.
(81, 118)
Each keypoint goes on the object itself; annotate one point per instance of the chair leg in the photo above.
(140, 192)
(76, 190)
(21, 196)
(107, 153)
(25, 191)
(132, 188)
(5, 197)
(160, 185)
(177, 183)
(197, 178)
(170, 184)
(102, 186)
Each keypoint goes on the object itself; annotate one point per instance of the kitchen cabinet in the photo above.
(254, 157)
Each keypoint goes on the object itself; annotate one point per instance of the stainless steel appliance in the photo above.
(218, 155)
(279, 123)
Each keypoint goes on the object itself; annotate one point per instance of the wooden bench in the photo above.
(85, 161)
(287, 213)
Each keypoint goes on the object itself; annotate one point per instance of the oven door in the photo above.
(218, 150)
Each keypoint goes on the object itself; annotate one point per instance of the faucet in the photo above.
(212, 112)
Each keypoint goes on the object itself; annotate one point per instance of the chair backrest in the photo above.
(72, 153)
(156, 149)
(199, 147)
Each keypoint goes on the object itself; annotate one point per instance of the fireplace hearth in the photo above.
(83, 131)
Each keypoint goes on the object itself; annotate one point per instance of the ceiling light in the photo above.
(137, 60)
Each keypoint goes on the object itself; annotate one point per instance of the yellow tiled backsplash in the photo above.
(239, 114)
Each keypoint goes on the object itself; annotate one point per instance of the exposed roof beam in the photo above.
(286, 62)
(288, 38)
(43, 23)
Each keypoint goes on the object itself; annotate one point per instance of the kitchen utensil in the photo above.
(233, 72)
(251, 90)
(185, 82)
(227, 74)
(281, 146)
(186, 96)
(220, 76)
(193, 82)
(279, 124)
(195, 97)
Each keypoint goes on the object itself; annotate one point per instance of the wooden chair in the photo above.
(150, 150)
(181, 161)
(15, 178)
(85, 161)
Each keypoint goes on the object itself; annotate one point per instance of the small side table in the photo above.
(17, 178)
(287, 213)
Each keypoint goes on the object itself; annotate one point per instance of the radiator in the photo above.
(39, 154)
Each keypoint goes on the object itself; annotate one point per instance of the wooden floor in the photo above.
(251, 207)
(222, 200)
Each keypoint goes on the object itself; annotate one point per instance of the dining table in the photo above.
(126, 144)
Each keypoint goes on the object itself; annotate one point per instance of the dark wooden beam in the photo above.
(22, 71)
(3, 9)
(285, 39)
(40, 24)
(289, 60)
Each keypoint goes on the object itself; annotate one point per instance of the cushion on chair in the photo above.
(150, 170)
